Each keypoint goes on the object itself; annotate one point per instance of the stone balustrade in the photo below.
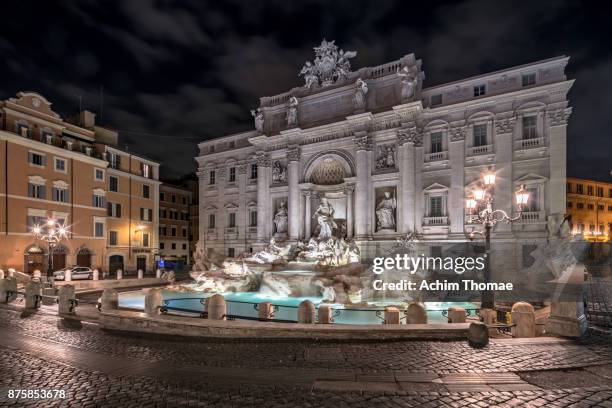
(65, 299)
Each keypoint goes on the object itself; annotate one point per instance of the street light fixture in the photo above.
(52, 232)
(489, 218)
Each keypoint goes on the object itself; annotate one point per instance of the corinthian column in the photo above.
(406, 207)
(349, 211)
(362, 143)
(264, 202)
(293, 201)
(307, 215)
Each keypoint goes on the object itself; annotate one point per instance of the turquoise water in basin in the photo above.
(243, 304)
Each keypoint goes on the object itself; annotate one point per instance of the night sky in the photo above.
(176, 73)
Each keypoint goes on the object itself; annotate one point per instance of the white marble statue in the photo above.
(360, 94)
(325, 218)
(409, 80)
(292, 113)
(280, 219)
(259, 119)
(330, 65)
(385, 212)
(279, 173)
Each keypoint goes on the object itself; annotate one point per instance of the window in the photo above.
(211, 177)
(232, 175)
(114, 210)
(112, 237)
(610, 193)
(146, 171)
(35, 220)
(60, 165)
(146, 214)
(231, 252)
(162, 196)
(37, 191)
(533, 204)
(173, 231)
(22, 130)
(37, 159)
(436, 100)
(174, 197)
(184, 200)
(184, 246)
(60, 194)
(253, 218)
(479, 90)
(529, 127)
(435, 206)
(113, 184)
(610, 208)
(145, 240)
(599, 191)
(173, 245)
(480, 135)
(590, 190)
(580, 206)
(99, 174)
(436, 142)
(211, 220)
(114, 160)
(231, 222)
(185, 232)
(528, 79)
(161, 245)
(590, 206)
(99, 201)
(98, 229)
(600, 207)
(579, 189)
(569, 187)
(570, 204)
(145, 191)
(253, 171)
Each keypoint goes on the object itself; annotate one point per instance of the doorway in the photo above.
(115, 262)
(84, 258)
(141, 263)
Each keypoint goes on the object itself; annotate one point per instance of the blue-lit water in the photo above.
(243, 304)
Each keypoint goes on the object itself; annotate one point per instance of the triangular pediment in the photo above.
(230, 206)
(436, 187)
(210, 208)
(531, 178)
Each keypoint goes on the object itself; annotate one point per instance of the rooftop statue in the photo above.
(330, 64)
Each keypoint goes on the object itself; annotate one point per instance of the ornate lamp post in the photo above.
(483, 196)
(52, 232)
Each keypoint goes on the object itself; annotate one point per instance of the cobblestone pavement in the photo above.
(41, 351)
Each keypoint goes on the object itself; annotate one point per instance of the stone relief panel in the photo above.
(279, 173)
(386, 157)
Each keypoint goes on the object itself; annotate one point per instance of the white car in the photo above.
(76, 272)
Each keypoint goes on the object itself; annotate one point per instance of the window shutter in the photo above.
(109, 209)
(118, 161)
(30, 157)
(142, 213)
(150, 214)
(42, 192)
(43, 160)
(118, 210)
(31, 190)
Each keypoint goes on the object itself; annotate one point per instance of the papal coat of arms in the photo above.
(330, 64)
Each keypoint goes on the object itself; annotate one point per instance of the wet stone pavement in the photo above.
(96, 368)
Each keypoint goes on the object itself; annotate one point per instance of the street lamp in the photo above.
(483, 195)
(52, 232)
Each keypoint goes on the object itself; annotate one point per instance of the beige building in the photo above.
(590, 204)
(174, 223)
(59, 169)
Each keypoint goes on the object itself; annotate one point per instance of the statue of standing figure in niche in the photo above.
(280, 219)
(325, 218)
(386, 157)
(360, 94)
(385, 213)
(292, 114)
(279, 173)
(409, 80)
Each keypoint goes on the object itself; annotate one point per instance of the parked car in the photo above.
(76, 272)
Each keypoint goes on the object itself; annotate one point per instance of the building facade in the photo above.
(174, 223)
(391, 156)
(59, 169)
(589, 202)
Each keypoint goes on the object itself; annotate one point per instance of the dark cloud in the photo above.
(175, 73)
